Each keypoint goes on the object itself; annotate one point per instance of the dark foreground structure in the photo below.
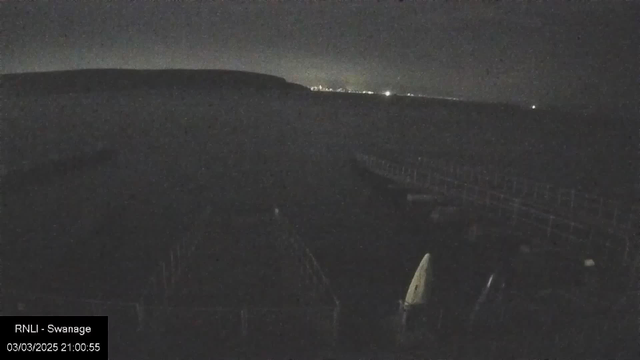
(155, 206)
(498, 294)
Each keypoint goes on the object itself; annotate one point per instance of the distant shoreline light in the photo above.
(388, 93)
(385, 93)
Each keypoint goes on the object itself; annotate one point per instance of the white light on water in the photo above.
(387, 93)
(533, 107)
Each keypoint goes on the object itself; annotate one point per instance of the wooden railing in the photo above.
(616, 215)
(612, 250)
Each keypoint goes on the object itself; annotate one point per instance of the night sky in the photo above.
(537, 52)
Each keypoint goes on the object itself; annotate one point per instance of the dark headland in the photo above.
(108, 80)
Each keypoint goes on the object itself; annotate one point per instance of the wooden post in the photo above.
(464, 195)
(590, 243)
(140, 313)
(244, 322)
(493, 350)
(94, 309)
(173, 268)
(154, 287)
(179, 260)
(634, 269)
(164, 281)
(573, 196)
(401, 322)
(336, 324)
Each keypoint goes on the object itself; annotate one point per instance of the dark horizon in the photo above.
(562, 54)
(572, 108)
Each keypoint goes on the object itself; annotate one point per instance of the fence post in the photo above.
(464, 194)
(179, 259)
(94, 309)
(243, 322)
(493, 350)
(401, 322)
(634, 270)
(631, 219)
(140, 313)
(573, 196)
(500, 204)
(193, 245)
(600, 207)
(164, 281)
(173, 269)
(154, 288)
(559, 196)
(336, 324)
